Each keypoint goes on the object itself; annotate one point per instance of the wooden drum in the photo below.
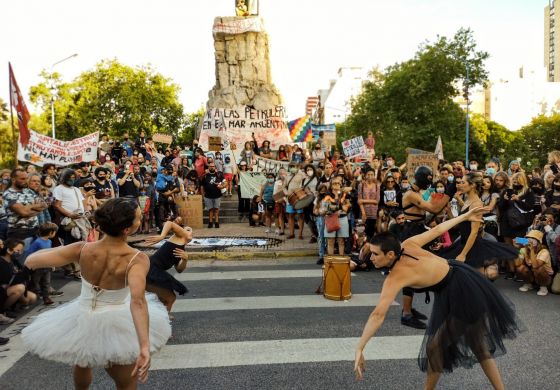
(300, 198)
(336, 278)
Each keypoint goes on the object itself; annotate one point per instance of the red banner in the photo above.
(17, 102)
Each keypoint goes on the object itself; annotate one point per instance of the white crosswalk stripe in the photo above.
(242, 275)
(271, 302)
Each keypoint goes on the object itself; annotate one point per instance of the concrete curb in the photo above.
(219, 255)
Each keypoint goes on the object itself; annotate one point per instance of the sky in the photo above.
(309, 39)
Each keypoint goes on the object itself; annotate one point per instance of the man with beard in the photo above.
(414, 210)
(22, 208)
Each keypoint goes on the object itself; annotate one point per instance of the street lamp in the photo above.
(52, 91)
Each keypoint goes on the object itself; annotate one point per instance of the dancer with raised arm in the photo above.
(170, 254)
(470, 318)
(112, 324)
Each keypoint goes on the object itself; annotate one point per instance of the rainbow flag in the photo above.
(300, 129)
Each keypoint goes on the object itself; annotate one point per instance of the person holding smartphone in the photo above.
(129, 184)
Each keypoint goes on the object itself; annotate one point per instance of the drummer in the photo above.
(297, 179)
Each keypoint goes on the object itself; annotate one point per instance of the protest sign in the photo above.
(214, 143)
(238, 124)
(237, 25)
(190, 209)
(42, 149)
(268, 165)
(415, 160)
(329, 133)
(162, 138)
(251, 183)
(354, 147)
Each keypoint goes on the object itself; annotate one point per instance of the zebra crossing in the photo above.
(248, 325)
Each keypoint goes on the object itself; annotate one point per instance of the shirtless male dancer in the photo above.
(414, 209)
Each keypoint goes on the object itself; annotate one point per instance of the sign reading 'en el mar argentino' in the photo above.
(354, 147)
(42, 150)
(236, 125)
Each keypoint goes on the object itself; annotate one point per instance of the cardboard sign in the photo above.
(215, 144)
(162, 138)
(414, 161)
(354, 147)
(42, 149)
(190, 210)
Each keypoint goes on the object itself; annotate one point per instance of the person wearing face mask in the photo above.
(537, 186)
(280, 206)
(390, 162)
(68, 203)
(317, 155)
(368, 201)
(536, 268)
(297, 156)
(473, 165)
(22, 208)
(405, 185)
(552, 196)
(521, 197)
(211, 186)
(13, 277)
(294, 181)
(103, 188)
(267, 190)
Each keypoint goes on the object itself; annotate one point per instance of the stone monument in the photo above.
(244, 99)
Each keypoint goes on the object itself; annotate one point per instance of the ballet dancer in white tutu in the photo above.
(113, 323)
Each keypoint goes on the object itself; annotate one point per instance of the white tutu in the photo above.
(95, 330)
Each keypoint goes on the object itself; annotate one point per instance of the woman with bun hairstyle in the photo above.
(113, 323)
(472, 248)
(170, 254)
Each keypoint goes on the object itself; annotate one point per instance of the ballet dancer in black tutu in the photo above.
(470, 318)
(170, 254)
(472, 248)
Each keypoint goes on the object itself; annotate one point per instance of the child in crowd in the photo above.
(257, 212)
(144, 202)
(41, 278)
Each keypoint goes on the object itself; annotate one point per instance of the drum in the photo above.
(279, 196)
(336, 278)
(301, 198)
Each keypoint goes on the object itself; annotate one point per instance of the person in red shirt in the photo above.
(200, 162)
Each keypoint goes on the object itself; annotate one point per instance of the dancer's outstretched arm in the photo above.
(474, 215)
(55, 257)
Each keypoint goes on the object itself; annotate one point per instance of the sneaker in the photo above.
(48, 301)
(526, 287)
(210, 225)
(56, 293)
(267, 230)
(4, 340)
(509, 276)
(281, 233)
(313, 240)
(216, 225)
(410, 320)
(4, 320)
(320, 261)
(417, 314)
(543, 291)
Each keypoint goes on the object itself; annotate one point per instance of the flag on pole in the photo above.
(439, 149)
(17, 102)
(300, 129)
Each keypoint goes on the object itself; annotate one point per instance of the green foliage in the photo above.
(540, 137)
(411, 103)
(8, 139)
(112, 98)
(189, 127)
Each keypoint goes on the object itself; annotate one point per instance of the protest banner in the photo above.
(251, 183)
(268, 165)
(415, 160)
(238, 124)
(215, 144)
(237, 25)
(162, 138)
(190, 209)
(329, 133)
(42, 149)
(354, 147)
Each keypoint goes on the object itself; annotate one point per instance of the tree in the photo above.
(112, 98)
(540, 137)
(189, 128)
(411, 103)
(8, 141)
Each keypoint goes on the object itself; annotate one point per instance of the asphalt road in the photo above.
(259, 325)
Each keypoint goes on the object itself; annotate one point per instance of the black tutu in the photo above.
(160, 278)
(481, 252)
(469, 321)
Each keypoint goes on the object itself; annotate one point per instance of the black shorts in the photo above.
(269, 206)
